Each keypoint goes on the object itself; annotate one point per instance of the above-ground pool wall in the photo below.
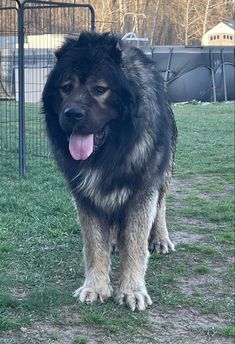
(204, 74)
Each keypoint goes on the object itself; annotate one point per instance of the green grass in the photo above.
(228, 331)
(209, 135)
(80, 340)
(202, 269)
(41, 245)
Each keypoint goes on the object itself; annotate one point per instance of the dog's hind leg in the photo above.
(97, 259)
(159, 238)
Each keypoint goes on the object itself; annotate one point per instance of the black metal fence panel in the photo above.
(43, 27)
(30, 32)
(9, 108)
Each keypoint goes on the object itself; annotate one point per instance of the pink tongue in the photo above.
(81, 146)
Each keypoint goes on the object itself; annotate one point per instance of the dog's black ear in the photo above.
(58, 54)
(68, 44)
(115, 48)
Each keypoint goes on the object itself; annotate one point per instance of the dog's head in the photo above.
(87, 90)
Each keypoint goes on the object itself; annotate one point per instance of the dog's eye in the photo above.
(99, 90)
(66, 88)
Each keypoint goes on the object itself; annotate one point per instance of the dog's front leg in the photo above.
(97, 259)
(134, 255)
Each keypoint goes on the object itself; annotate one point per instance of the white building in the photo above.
(223, 34)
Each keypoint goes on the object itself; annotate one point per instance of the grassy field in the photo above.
(192, 288)
(36, 145)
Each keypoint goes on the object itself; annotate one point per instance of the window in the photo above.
(214, 37)
(231, 37)
(211, 38)
(217, 36)
(224, 37)
(227, 36)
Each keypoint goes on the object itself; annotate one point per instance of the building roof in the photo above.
(230, 23)
(227, 25)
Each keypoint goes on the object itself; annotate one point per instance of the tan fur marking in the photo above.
(102, 98)
(112, 200)
(140, 151)
(74, 81)
(90, 186)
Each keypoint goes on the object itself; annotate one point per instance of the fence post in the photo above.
(92, 17)
(168, 67)
(212, 75)
(224, 76)
(22, 148)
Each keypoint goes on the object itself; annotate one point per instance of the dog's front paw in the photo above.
(135, 299)
(92, 293)
(161, 245)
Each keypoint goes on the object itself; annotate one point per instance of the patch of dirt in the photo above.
(192, 284)
(196, 222)
(181, 326)
(47, 332)
(185, 237)
(182, 187)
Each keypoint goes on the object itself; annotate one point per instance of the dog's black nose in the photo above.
(74, 113)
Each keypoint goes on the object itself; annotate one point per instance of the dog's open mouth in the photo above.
(81, 146)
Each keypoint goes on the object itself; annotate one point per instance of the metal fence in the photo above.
(29, 33)
(9, 126)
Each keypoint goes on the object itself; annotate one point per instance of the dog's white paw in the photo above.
(92, 293)
(161, 245)
(135, 300)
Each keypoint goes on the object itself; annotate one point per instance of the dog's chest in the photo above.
(91, 184)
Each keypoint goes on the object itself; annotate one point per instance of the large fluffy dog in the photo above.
(113, 135)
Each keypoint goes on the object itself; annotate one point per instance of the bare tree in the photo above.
(206, 16)
(154, 22)
(167, 22)
(187, 21)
